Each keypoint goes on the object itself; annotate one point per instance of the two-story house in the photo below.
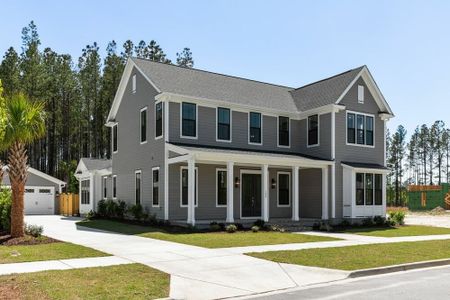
(196, 146)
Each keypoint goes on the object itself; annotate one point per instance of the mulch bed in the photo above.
(7, 240)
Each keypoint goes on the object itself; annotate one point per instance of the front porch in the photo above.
(233, 186)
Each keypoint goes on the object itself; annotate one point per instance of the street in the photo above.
(427, 284)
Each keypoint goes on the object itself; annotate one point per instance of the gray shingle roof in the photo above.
(96, 164)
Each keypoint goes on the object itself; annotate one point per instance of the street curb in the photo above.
(399, 268)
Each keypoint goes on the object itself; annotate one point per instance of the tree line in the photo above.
(423, 160)
(77, 94)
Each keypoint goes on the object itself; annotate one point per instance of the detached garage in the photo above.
(41, 191)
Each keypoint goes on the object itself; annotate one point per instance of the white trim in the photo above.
(243, 171)
(217, 186)
(318, 131)
(365, 170)
(159, 187)
(104, 188)
(217, 125)
(196, 122)
(278, 189)
(278, 132)
(261, 129)
(133, 84)
(166, 182)
(181, 186)
(162, 121)
(295, 194)
(116, 125)
(230, 192)
(145, 108)
(356, 129)
(112, 187)
(140, 187)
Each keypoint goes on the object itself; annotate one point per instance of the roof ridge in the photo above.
(215, 73)
(331, 77)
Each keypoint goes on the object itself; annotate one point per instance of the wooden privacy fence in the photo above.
(69, 204)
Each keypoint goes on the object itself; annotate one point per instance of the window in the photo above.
(255, 128)
(158, 120)
(85, 190)
(155, 186)
(44, 191)
(221, 186)
(360, 94)
(369, 189)
(284, 184)
(29, 190)
(143, 125)
(105, 191)
(360, 129)
(313, 130)
(184, 186)
(189, 120)
(133, 84)
(223, 124)
(137, 187)
(114, 186)
(114, 138)
(283, 131)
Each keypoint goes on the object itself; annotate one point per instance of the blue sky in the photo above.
(405, 44)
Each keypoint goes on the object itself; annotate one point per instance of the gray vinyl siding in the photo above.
(131, 155)
(274, 210)
(310, 192)
(353, 153)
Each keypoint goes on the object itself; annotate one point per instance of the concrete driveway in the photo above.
(196, 273)
(429, 220)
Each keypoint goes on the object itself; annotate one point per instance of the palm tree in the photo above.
(25, 123)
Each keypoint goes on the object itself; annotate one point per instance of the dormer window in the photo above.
(133, 84)
(360, 94)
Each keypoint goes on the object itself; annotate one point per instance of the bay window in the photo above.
(369, 189)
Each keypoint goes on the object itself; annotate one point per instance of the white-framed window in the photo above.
(143, 125)
(133, 84)
(360, 94)
(137, 186)
(184, 186)
(85, 191)
(114, 137)
(221, 187)
(283, 189)
(114, 186)
(223, 124)
(105, 190)
(188, 120)
(155, 186)
(369, 189)
(255, 128)
(284, 129)
(158, 120)
(360, 129)
(313, 128)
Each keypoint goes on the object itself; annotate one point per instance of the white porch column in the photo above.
(325, 193)
(383, 178)
(265, 193)
(230, 175)
(295, 194)
(191, 192)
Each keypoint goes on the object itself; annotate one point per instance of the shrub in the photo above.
(239, 226)
(260, 223)
(214, 226)
(90, 215)
(137, 212)
(345, 223)
(121, 209)
(34, 230)
(368, 221)
(231, 228)
(255, 228)
(397, 217)
(325, 226)
(5, 209)
(379, 220)
(101, 208)
(110, 208)
(277, 228)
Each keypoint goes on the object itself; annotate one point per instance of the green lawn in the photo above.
(408, 230)
(205, 239)
(132, 281)
(45, 252)
(363, 256)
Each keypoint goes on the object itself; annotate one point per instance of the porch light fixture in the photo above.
(274, 183)
(237, 182)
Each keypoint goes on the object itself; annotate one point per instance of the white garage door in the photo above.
(39, 200)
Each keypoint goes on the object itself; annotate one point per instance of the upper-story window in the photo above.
(189, 120)
(283, 132)
(143, 121)
(313, 130)
(360, 94)
(223, 124)
(255, 128)
(114, 138)
(133, 84)
(158, 120)
(360, 129)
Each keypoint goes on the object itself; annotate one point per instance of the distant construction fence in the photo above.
(426, 197)
(69, 204)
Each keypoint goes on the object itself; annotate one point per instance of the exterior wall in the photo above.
(354, 153)
(132, 155)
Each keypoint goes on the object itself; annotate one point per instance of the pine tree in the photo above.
(128, 51)
(437, 133)
(397, 154)
(10, 73)
(184, 59)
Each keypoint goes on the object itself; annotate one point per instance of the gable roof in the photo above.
(92, 164)
(39, 174)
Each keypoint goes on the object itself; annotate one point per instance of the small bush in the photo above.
(110, 208)
(277, 228)
(231, 228)
(260, 223)
(101, 208)
(34, 230)
(368, 222)
(397, 217)
(137, 212)
(255, 228)
(345, 223)
(121, 209)
(5, 209)
(325, 226)
(379, 220)
(214, 226)
(151, 219)
(90, 215)
(239, 226)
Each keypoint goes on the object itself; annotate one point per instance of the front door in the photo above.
(251, 195)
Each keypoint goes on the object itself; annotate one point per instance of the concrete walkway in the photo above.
(428, 220)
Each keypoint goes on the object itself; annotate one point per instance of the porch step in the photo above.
(294, 226)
